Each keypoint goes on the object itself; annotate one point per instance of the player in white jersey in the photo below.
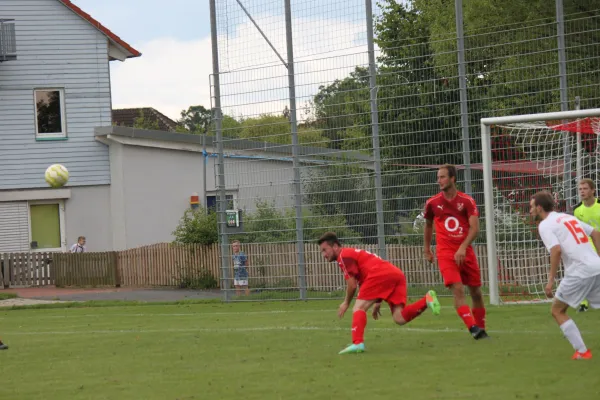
(566, 238)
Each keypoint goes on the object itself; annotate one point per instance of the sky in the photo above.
(174, 39)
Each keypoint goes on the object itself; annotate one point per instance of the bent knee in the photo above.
(397, 316)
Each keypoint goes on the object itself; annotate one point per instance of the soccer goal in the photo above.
(524, 154)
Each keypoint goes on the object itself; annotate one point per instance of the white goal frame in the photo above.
(488, 183)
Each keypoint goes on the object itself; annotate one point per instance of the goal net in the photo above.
(521, 156)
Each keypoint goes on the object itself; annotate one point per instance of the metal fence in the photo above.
(353, 105)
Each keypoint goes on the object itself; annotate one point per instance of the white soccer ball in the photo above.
(57, 175)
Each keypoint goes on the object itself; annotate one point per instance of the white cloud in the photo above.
(172, 74)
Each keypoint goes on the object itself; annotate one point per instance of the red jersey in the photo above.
(451, 218)
(362, 264)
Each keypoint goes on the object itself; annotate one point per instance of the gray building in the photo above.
(154, 173)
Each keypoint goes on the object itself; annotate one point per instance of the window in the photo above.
(211, 202)
(50, 122)
(46, 222)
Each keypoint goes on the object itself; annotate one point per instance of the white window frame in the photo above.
(61, 218)
(233, 193)
(63, 115)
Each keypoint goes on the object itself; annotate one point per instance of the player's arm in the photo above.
(473, 231)
(591, 233)
(428, 233)
(596, 240)
(553, 245)
(555, 255)
(351, 286)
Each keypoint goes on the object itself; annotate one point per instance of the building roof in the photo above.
(180, 140)
(127, 117)
(131, 52)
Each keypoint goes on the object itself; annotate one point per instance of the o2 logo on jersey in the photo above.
(578, 233)
(452, 225)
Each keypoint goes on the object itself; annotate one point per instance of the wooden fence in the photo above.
(26, 269)
(270, 266)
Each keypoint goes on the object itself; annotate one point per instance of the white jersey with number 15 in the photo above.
(578, 257)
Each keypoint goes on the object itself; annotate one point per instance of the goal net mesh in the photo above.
(527, 158)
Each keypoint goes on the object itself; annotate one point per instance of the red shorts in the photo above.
(468, 273)
(390, 287)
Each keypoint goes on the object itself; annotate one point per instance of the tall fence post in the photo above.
(375, 131)
(218, 118)
(289, 39)
(564, 101)
(462, 84)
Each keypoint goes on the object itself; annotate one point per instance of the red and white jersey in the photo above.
(361, 264)
(451, 218)
(578, 257)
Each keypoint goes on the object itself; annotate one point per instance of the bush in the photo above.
(199, 279)
(197, 227)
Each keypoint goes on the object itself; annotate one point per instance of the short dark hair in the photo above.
(329, 237)
(451, 170)
(589, 182)
(545, 200)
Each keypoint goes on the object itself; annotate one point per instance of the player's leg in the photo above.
(570, 293)
(453, 281)
(570, 330)
(359, 323)
(471, 277)
(3, 346)
(403, 314)
(593, 297)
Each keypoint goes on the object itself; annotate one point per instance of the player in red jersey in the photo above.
(377, 280)
(456, 224)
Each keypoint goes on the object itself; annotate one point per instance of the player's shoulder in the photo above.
(348, 252)
(465, 196)
(433, 198)
(577, 206)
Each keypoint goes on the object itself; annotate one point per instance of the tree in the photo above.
(276, 129)
(196, 119)
(142, 123)
(343, 112)
(268, 224)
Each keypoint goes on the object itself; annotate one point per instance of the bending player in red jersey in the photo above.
(378, 280)
(456, 224)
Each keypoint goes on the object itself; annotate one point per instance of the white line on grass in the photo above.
(268, 329)
(199, 314)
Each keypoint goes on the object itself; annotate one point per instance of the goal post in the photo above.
(523, 154)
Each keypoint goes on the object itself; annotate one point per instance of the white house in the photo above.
(127, 187)
(52, 95)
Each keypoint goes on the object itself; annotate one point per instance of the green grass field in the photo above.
(287, 350)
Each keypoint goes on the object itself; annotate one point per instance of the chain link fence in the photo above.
(334, 116)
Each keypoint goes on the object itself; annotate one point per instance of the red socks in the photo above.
(412, 311)
(464, 312)
(479, 315)
(359, 322)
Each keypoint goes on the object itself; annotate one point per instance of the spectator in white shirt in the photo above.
(79, 247)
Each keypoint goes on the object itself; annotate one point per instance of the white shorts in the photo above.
(240, 282)
(573, 291)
